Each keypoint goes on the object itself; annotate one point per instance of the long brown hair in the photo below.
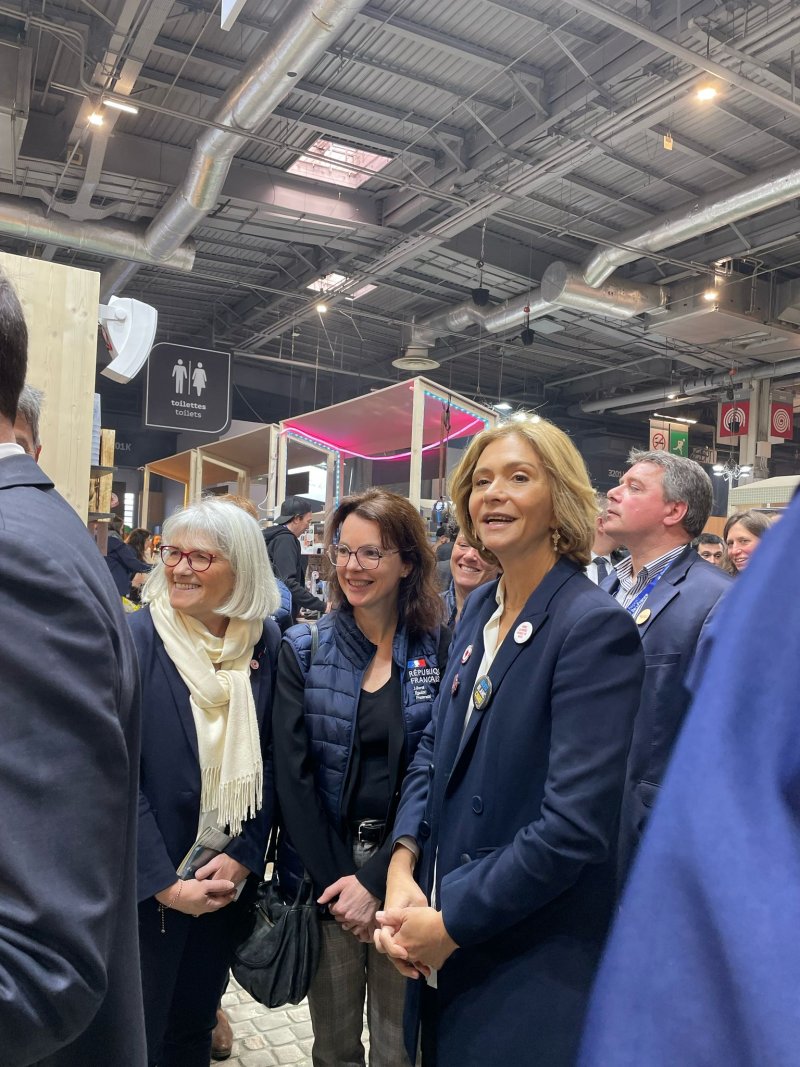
(401, 527)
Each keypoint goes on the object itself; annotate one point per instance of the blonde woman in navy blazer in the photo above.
(511, 806)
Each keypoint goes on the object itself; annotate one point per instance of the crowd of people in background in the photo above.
(467, 747)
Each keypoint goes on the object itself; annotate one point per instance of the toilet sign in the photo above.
(188, 389)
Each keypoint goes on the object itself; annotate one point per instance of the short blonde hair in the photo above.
(574, 501)
(228, 529)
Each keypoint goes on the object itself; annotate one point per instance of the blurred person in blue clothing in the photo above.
(703, 967)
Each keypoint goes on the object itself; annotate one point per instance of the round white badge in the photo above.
(523, 633)
(467, 654)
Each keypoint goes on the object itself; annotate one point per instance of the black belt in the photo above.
(368, 831)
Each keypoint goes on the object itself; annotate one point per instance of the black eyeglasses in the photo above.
(198, 561)
(367, 557)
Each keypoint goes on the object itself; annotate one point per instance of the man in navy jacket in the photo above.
(661, 504)
(70, 991)
(702, 966)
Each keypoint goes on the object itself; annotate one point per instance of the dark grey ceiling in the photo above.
(521, 132)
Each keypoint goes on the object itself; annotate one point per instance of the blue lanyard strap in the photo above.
(638, 603)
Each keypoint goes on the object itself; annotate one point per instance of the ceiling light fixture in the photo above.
(673, 418)
(120, 105)
(711, 295)
(502, 405)
(95, 119)
(707, 92)
(322, 308)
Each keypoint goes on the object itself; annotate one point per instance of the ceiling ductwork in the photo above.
(98, 238)
(289, 52)
(691, 387)
(564, 286)
(584, 288)
(736, 201)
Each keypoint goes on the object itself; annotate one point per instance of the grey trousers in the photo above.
(349, 969)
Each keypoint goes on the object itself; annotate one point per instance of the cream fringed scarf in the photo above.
(232, 773)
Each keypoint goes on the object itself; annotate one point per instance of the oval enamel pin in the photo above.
(467, 654)
(523, 633)
(643, 616)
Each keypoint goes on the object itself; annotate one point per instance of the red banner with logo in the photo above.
(733, 419)
(781, 420)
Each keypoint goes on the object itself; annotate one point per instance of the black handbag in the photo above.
(276, 962)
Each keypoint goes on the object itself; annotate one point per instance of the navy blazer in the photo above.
(520, 812)
(69, 756)
(169, 789)
(702, 967)
(681, 607)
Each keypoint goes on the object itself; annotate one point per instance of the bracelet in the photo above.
(175, 896)
(170, 904)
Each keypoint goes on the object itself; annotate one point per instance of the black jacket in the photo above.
(69, 762)
(123, 563)
(284, 553)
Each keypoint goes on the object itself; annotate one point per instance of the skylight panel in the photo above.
(339, 164)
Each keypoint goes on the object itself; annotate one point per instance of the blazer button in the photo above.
(465, 858)
(477, 805)
(430, 769)
(424, 829)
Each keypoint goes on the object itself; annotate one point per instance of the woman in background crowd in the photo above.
(141, 541)
(207, 660)
(513, 797)
(743, 531)
(468, 570)
(347, 721)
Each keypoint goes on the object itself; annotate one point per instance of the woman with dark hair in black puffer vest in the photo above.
(345, 728)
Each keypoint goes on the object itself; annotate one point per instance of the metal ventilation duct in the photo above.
(736, 201)
(564, 285)
(288, 52)
(102, 239)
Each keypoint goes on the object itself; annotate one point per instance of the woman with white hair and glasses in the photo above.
(207, 661)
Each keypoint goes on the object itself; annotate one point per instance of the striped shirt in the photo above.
(630, 587)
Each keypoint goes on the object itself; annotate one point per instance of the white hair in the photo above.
(227, 529)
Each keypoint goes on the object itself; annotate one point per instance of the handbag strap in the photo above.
(314, 629)
(272, 843)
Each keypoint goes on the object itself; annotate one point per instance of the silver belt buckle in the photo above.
(366, 824)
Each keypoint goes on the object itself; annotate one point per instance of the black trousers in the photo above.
(429, 1022)
(184, 973)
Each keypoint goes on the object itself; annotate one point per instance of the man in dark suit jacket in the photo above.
(69, 748)
(709, 975)
(661, 504)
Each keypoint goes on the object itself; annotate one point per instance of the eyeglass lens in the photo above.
(366, 556)
(198, 561)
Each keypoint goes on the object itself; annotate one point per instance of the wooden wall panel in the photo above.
(60, 306)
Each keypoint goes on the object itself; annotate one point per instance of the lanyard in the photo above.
(638, 603)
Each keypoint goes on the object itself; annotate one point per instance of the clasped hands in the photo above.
(212, 888)
(410, 932)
